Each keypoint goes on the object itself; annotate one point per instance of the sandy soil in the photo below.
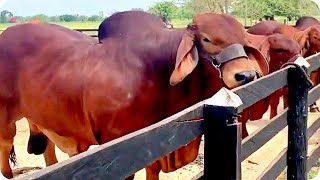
(251, 167)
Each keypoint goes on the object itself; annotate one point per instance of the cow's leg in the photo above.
(285, 98)
(275, 100)
(274, 106)
(244, 130)
(71, 145)
(243, 119)
(314, 107)
(39, 144)
(50, 154)
(7, 133)
(314, 76)
(152, 171)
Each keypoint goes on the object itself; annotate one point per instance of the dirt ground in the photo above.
(251, 167)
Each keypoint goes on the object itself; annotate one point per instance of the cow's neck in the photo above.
(165, 45)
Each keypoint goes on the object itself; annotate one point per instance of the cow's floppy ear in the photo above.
(186, 60)
(302, 38)
(262, 43)
(258, 59)
(265, 49)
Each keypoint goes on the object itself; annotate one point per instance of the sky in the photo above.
(82, 7)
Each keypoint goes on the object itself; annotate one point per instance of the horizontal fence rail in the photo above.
(121, 157)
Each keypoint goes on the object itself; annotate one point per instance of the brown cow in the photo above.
(278, 49)
(264, 28)
(306, 21)
(308, 39)
(80, 94)
(302, 24)
(38, 143)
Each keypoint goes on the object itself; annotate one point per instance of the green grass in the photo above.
(179, 23)
(71, 25)
(80, 25)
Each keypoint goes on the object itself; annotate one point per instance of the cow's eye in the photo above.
(206, 40)
(280, 50)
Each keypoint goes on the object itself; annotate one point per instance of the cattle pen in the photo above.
(126, 155)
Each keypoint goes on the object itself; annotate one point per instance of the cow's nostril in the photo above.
(245, 77)
(240, 77)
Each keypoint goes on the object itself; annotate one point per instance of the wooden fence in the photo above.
(91, 32)
(123, 156)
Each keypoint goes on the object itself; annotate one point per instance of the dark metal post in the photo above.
(222, 143)
(297, 125)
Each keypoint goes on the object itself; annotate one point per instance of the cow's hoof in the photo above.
(314, 109)
(4, 176)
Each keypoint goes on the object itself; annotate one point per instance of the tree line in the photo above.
(7, 17)
(252, 9)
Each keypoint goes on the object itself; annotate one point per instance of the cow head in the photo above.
(309, 40)
(277, 48)
(222, 40)
(314, 38)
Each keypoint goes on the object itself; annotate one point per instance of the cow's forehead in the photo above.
(219, 25)
(316, 30)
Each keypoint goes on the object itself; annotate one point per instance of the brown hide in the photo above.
(135, 27)
(306, 21)
(278, 49)
(307, 37)
(80, 93)
(38, 142)
(302, 24)
(264, 28)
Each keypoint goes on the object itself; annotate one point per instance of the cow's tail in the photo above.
(12, 157)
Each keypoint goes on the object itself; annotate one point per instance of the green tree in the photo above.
(68, 18)
(5, 15)
(137, 9)
(201, 6)
(165, 10)
(54, 18)
(101, 16)
(287, 8)
(82, 18)
(252, 9)
(309, 7)
(43, 17)
(20, 19)
(184, 12)
(94, 18)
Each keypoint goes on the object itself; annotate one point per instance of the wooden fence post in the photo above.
(222, 143)
(297, 124)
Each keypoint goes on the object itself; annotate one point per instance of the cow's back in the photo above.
(305, 22)
(264, 28)
(129, 23)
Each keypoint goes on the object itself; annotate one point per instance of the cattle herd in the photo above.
(77, 91)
